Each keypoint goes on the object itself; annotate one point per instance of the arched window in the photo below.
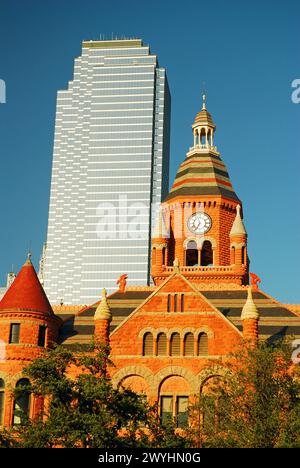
(22, 402)
(175, 344)
(191, 254)
(148, 344)
(162, 344)
(2, 389)
(189, 344)
(206, 254)
(202, 344)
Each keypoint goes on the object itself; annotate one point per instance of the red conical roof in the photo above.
(26, 293)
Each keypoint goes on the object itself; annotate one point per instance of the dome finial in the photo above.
(103, 310)
(249, 310)
(203, 96)
(203, 101)
(28, 259)
(238, 228)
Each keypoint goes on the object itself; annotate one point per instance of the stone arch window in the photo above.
(191, 254)
(202, 344)
(189, 344)
(206, 254)
(22, 402)
(161, 344)
(148, 344)
(175, 344)
(2, 396)
(173, 401)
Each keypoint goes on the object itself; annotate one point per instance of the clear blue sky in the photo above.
(246, 52)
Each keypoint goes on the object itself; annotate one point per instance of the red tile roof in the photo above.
(26, 293)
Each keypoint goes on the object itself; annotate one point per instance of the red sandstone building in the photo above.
(171, 339)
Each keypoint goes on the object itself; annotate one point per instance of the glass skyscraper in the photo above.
(110, 170)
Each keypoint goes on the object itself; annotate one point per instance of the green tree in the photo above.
(256, 403)
(85, 410)
(7, 440)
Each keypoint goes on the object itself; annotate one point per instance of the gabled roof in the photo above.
(79, 327)
(202, 174)
(275, 320)
(26, 293)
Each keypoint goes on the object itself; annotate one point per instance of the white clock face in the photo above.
(199, 223)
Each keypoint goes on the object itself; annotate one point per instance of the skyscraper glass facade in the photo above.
(110, 170)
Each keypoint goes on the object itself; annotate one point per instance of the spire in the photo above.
(28, 260)
(238, 228)
(26, 292)
(103, 311)
(204, 118)
(250, 310)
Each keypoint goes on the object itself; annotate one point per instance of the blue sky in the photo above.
(246, 52)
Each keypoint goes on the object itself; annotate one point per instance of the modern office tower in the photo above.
(110, 170)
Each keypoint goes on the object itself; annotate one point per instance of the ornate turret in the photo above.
(160, 238)
(238, 240)
(26, 293)
(204, 128)
(203, 214)
(27, 326)
(102, 318)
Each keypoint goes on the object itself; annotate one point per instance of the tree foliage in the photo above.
(82, 409)
(255, 404)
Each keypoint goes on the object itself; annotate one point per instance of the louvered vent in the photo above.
(175, 344)
(203, 344)
(189, 344)
(148, 344)
(161, 344)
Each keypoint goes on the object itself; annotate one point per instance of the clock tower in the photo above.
(200, 222)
